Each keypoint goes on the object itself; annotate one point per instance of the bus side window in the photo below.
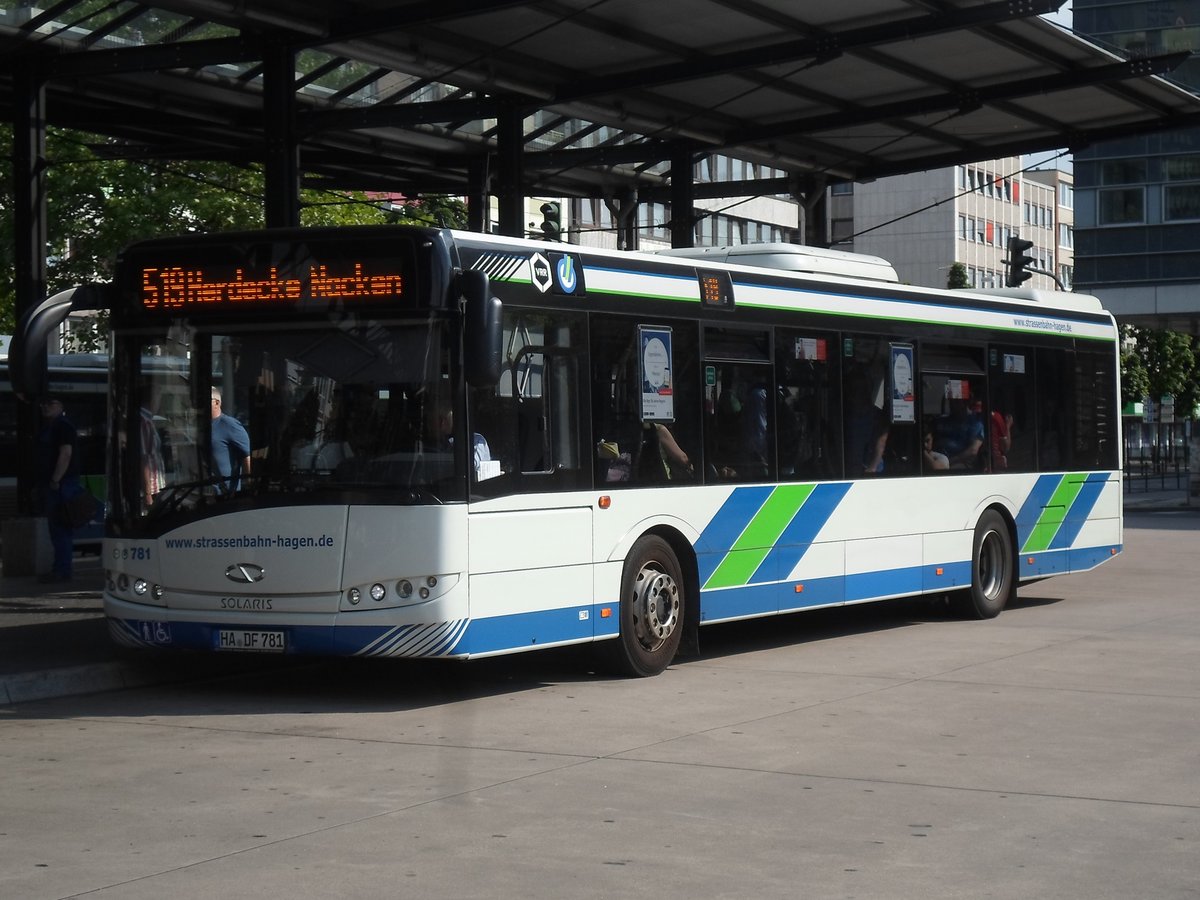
(806, 402)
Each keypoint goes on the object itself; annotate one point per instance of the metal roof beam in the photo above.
(400, 115)
(1073, 140)
(153, 57)
(825, 46)
(967, 100)
(410, 15)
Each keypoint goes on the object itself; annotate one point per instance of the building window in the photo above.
(1066, 236)
(1066, 195)
(1181, 201)
(1123, 171)
(1181, 168)
(1123, 206)
(841, 187)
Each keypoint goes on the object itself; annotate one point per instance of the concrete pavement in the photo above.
(888, 751)
(54, 640)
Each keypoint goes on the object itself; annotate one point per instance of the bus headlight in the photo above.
(354, 595)
(378, 592)
(140, 586)
(404, 589)
(158, 591)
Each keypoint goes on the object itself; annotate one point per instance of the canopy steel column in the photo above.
(683, 200)
(477, 195)
(281, 205)
(30, 237)
(510, 152)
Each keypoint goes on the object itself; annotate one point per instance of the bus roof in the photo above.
(795, 258)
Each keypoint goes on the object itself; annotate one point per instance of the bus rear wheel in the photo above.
(651, 610)
(993, 583)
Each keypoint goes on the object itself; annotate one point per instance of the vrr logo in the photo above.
(539, 272)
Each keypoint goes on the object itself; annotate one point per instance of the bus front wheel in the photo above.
(992, 566)
(651, 610)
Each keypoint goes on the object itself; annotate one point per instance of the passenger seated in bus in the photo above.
(664, 456)
(959, 435)
(935, 461)
(1001, 439)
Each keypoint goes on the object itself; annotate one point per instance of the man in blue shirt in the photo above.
(230, 448)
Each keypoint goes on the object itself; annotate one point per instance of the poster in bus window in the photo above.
(904, 407)
(655, 369)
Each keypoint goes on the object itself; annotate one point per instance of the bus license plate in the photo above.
(253, 641)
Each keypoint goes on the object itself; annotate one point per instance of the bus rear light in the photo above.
(378, 592)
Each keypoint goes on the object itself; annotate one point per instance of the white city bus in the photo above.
(463, 445)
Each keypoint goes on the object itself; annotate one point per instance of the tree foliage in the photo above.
(957, 276)
(1157, 363)
(96, 205)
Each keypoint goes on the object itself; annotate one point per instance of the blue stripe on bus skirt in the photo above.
(531, 629)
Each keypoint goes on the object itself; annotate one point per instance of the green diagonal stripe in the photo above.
(1054, 513)
(760, 535)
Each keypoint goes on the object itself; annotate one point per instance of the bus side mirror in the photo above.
(27, 354)
(482, 337)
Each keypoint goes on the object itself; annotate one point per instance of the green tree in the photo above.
(957, 276)
(97, 204)
(1157, 363)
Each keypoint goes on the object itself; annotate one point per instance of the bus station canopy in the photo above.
(582, 97)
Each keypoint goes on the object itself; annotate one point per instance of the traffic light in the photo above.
(1017, 262)
(552, 221)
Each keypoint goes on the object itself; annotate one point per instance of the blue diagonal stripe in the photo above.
(729, 522)
(1031, 509)
(1079, 511)
(801, 532)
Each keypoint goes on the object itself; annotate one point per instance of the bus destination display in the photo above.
(179, 287)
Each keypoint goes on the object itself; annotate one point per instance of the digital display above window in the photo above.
(181, 287)
(305, 270)
(716, 289)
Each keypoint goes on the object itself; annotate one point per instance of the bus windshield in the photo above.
(215, 417)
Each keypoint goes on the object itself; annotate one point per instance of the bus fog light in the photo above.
(354, 595)
(431, 581)
(158, 591)
(140, 586)
(424, 593)
(378, 592)
(404, 589)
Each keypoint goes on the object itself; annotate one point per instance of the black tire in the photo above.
(993, 579)
(651, 610)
